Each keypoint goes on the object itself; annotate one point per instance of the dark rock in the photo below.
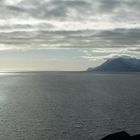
(121, 136)
(136, 137)
(117, 136)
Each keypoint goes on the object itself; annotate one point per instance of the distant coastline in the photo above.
(120, 64)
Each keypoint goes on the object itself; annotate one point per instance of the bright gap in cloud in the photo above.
(12, 2)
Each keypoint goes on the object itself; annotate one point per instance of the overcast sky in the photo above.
(67, 34)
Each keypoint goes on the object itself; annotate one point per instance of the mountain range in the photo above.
(120, 64)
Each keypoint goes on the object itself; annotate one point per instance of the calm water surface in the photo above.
(68, 106)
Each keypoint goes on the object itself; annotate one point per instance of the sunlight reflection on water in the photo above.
(8, 73)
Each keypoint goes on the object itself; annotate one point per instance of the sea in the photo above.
(68, 105)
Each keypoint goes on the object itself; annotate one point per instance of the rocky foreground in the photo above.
(121, 136)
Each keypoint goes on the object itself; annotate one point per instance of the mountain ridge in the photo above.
(119, 64)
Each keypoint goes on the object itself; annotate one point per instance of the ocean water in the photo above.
(68, 105)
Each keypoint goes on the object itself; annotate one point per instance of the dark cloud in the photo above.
(73, 39)
(121, 37)
(114, 10)
(107, 6)
(51, 23)
(57, 9)
(53, 9)
(125, 10)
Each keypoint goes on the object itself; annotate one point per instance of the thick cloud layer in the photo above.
(26, 24)
(41, 39)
